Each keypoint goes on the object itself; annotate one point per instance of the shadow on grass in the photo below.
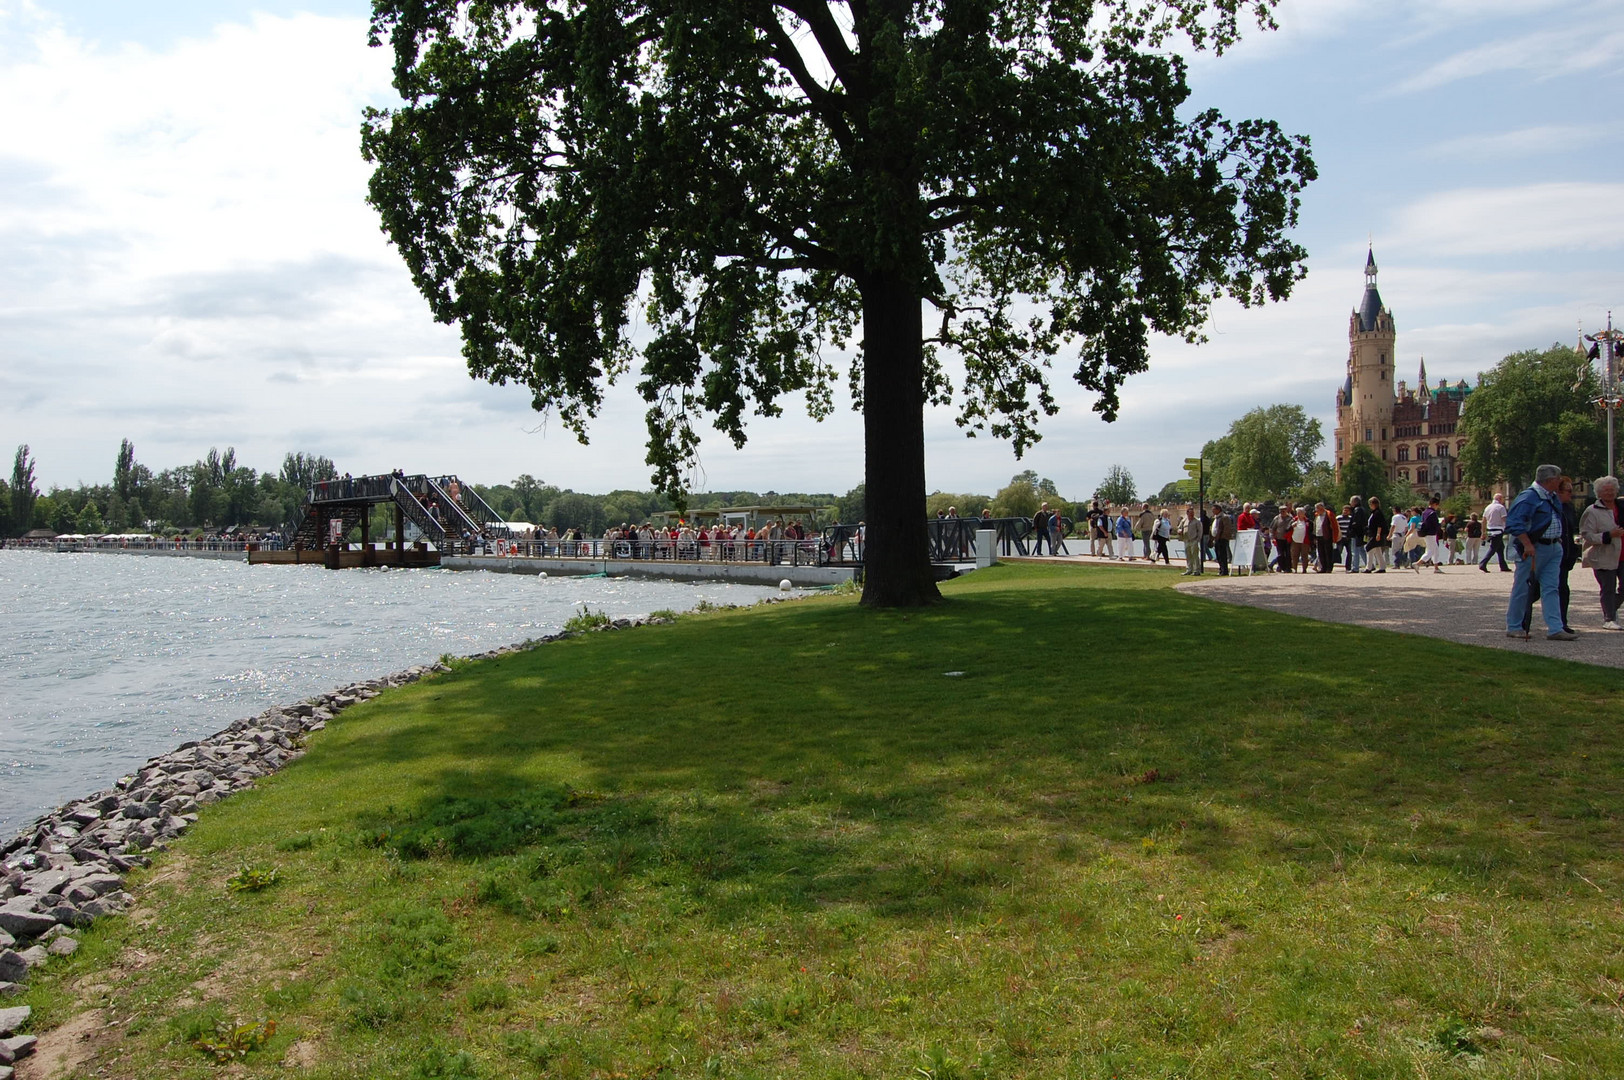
(817, 754)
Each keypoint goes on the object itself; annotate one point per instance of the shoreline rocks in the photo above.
(66, 870)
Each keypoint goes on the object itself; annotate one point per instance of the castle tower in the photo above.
(1367, 416)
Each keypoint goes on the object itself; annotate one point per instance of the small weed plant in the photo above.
(250, 879)
(588, 620)
(235, 1041)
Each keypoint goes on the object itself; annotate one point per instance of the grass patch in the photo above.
(1141, 835)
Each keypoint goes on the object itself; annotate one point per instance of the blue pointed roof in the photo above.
(1371, 306)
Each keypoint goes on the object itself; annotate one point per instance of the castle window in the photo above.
(1367, 436)
(1421, 452)
(1404, 453)
(1404, 474)
(1384, 453)
(1339, 442)
(1443, 449)
(1384, 434)
(1460, 447)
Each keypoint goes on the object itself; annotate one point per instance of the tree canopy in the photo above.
(759, 183)
(1118, 487)
(1534, 407)
(1266, 453)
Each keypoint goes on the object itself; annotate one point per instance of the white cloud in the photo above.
(1506, 221)
(1569, 50)
(1539, 141)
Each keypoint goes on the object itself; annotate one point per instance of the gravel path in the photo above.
(1461, 604)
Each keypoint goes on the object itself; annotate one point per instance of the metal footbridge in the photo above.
(447, 513)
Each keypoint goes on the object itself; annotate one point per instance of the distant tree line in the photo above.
(216, 493)
(212, 493)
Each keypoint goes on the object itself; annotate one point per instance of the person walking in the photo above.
(1223, 531)
(1494, 523)
(1534, 521)
(1601, 530)
(1358, 529)
(1057, 534)
(1474, 539)
(1302, 535)
(1377, 532)
(1344, 522)
(1040, 529)
(1194, 566)
(1124, 536)
(1430, 528)
(1325, 537)
(1164, 533)
(1282, 526)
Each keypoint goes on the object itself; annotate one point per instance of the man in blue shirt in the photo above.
(1535, 521)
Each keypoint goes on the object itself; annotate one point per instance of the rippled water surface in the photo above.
(106, 660)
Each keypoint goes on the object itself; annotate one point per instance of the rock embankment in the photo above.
(67, 868)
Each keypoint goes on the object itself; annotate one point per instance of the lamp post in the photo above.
(1612, 395)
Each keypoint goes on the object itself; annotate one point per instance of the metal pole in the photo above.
(1609, 391)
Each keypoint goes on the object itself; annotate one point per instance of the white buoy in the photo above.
(785, 586)
(542, 573)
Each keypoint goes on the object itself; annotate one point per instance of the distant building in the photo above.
(1411, 431)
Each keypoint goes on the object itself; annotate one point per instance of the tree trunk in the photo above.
(897, 569)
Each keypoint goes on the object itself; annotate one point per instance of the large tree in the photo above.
(766, 181)
(1118, 487)
(1534, 407)
(23, 491)
(1266, 453)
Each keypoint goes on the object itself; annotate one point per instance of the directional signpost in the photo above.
(1196, 469)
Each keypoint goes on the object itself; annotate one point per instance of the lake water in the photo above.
(106, 660)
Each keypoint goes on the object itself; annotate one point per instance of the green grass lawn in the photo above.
(1071, 823)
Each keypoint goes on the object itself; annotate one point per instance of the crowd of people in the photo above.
(1539, 536)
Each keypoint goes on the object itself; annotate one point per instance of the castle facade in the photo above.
(1412, 432)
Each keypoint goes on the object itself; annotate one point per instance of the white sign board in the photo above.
(1245, 549)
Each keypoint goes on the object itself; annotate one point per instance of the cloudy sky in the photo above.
(186, 259)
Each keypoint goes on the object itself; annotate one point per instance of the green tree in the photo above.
(767, 179)
(1118, 487)
(90, 520)
(6, 526)
(1266, 453)
(1318, 484)
(1019, 498)
(23, 491)
(304, 471)
(1533, 407)
(1172, 492)
(1365, 475)
(852, 507)
(124, 470)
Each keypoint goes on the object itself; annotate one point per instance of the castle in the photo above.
(1411, 431)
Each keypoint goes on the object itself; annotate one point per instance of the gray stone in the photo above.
(46, 881)
(139, 810)
(85, 815)
(68, 915)
(13, 968)
(6, 940)
(20, 1045)
(9, 989)
(7, 1072)
(14, 1018)
(22, 922)
(63, 946)
(34, 956)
